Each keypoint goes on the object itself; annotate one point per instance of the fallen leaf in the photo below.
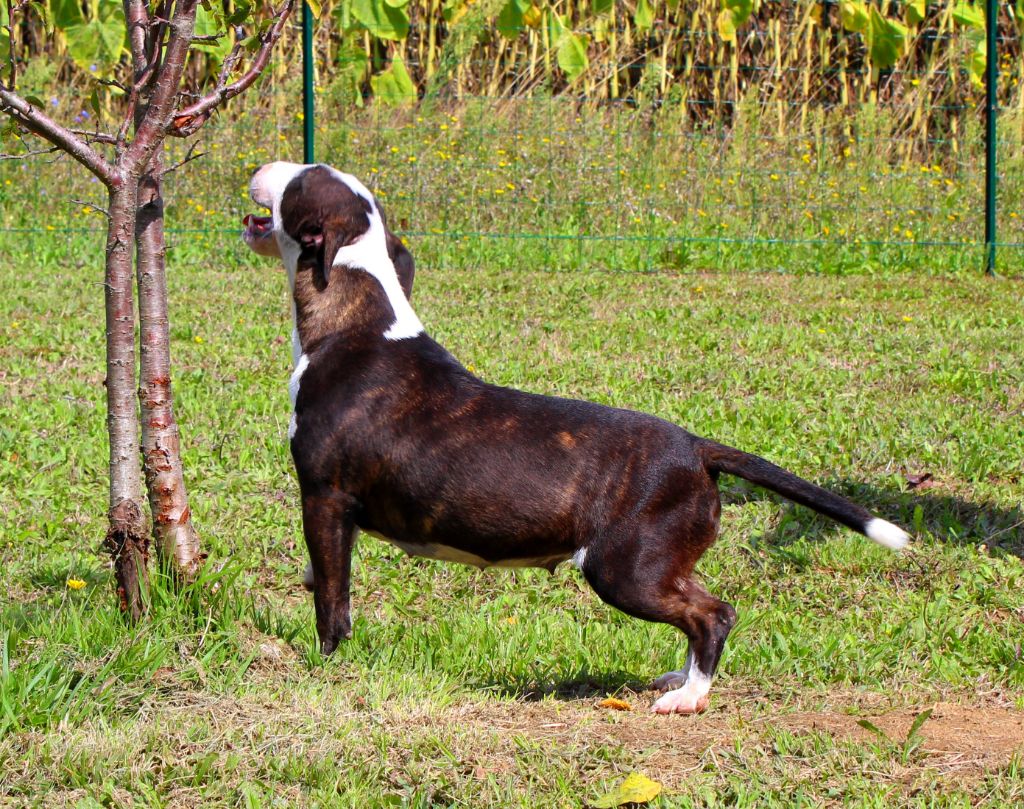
(615, 704)
(635, 788)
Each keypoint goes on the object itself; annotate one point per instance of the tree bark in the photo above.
(126, 535)
(176, 540)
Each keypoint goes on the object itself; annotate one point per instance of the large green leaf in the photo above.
(977, 59)
(207, 25)
(970, 15)
(914, 11)
(604, 6)
(886, 40)
(394, 85)
(95, 44)
(854, 15)
(382, 20)
(636, 788)
(643, 16)
(511, 21)
(740, 9)
(64, 13)
(572, 55)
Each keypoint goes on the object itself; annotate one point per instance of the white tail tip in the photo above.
(885, 533)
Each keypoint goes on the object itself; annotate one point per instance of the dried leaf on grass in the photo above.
(615, 704)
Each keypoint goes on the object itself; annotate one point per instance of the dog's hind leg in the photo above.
(329, 527)
(706, 621)
(658, 586)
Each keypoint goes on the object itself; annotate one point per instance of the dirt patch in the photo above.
(954, 734)
(970, 738)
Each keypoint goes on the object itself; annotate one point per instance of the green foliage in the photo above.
(511, 22)
(854, 14)
(95, 41)
(886, 40)
(850, 363)
(643, 16)
(382, 19)
(393, 86)
(208, 24)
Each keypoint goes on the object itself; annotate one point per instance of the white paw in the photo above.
(685, 700)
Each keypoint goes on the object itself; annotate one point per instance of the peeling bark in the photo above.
(176, 540)
(126, 535)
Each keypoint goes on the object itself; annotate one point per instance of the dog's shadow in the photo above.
(583, 685)
(945, 516)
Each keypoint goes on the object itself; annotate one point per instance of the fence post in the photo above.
(307, 84)
(991, 109)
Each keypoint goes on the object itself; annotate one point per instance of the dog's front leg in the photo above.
(329, 527)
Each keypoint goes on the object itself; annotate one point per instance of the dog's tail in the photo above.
(720, 458)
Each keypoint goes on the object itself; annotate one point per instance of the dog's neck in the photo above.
(362, 298)
(352, 305)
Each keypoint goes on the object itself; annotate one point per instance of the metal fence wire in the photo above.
(631, 136)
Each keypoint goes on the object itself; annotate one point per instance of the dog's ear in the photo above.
(313, 243)
(400, 257)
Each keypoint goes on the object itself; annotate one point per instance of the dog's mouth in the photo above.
(258, 227)
(259, 234)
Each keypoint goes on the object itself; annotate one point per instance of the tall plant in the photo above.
(160, 37)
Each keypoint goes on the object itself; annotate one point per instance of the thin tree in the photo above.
(129, 164)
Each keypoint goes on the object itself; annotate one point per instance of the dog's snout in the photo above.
(269, 181)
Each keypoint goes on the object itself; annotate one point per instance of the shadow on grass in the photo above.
(945, 516)
(580, 686)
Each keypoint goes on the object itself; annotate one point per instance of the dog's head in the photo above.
(316, 212)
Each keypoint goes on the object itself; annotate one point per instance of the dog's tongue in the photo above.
(257, 225)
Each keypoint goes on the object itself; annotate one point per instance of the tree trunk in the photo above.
(126, 535)
(176, 540)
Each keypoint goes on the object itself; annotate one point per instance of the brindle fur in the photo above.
(397, 438)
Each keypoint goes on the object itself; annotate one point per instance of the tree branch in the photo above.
(31, 153)
(188, 158)
(157, 118)
(37, 122)
(137, 18)
(95, 136)
(191, 118)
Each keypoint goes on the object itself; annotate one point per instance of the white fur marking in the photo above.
(446, 553)
(885, 533)
(370, 253)
(691, 697)
(293, 393)
(580, 557)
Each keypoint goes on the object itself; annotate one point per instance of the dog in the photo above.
(392, 436)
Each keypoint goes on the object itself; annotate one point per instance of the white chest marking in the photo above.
(293, 392)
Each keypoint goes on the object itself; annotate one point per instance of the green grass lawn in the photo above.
(479, 689)
(467, 688)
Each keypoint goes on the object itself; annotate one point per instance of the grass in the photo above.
(570, 187)
(463, 688)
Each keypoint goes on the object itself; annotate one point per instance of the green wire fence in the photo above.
(631, 136)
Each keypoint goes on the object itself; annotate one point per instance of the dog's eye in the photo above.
(311, 237)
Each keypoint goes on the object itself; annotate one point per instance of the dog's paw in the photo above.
(682, 700)
(307, 577)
